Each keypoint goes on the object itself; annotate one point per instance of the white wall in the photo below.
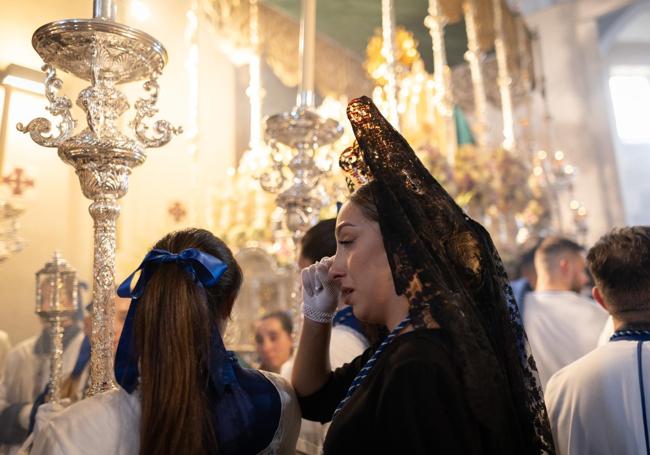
(626, 43)
(56, 215)
(577, 99)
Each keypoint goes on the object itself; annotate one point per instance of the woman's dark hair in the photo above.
(319, 241)
(365, 200)
(173, 325)
(283, 317)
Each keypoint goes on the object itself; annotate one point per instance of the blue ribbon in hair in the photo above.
(233, 407)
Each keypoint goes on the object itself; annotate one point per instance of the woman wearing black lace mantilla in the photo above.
(455, 374)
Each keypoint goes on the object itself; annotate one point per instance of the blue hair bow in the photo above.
(204, 269)
(201, 267)
(233, 408)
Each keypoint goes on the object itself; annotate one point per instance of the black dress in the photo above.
(411, 402)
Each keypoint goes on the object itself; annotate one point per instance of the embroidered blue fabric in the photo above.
(267, 410)
(346, 317)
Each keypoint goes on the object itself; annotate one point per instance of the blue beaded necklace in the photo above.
(369, 364)
(639, 336)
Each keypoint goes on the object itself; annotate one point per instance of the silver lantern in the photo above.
(56, 302)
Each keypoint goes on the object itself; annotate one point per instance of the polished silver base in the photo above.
(117, 52)
(302, 127)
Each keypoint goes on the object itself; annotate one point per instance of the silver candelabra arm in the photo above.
(39, 128)
(145, 108)
(272, 179)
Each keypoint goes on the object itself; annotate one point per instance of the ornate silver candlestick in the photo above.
(107, 54)
(56, 297)
(304, 131)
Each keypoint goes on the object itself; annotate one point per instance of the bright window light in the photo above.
(631, 102)
(140, 10)
(24, 84)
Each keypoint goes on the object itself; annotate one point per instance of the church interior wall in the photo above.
(56, 214)
(576, 92)
(625, 45)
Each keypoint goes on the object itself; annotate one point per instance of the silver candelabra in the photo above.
(106, 54)
(304, 132)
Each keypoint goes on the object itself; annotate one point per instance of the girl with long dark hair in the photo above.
(180, 391)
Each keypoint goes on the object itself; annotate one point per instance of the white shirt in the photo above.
(561, 326)
(345, 345)
(607, 332)
(26, 375)
(109, 424)
(594, 404)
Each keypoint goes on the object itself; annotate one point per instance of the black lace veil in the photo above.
(447, 266)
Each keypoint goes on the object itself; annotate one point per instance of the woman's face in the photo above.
(362, 270)
(273, 344)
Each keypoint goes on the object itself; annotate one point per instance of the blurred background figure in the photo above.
(561, 324)
(75, 386)
(26, 375)
(596, 405)
(525, 277)
(274, 340)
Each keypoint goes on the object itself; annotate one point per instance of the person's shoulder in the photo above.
(288, 427)
(345, 335)
(111, 404)
(104, 422)
(280, 383)
(23, 348)
(345, 345)
(577, 375)
(421, 347)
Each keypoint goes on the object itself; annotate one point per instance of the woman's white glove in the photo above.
(320, 295)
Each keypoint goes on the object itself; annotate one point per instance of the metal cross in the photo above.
(18, 181)
(177, 211)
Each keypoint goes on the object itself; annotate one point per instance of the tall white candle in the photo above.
(307, 52)
(388, 50)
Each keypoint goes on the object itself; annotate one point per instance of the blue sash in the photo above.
(639, 336)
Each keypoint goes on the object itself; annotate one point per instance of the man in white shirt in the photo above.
(598, 404)
(27, 371)
(561, 325)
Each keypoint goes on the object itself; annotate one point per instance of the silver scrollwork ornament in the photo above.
(106, 54)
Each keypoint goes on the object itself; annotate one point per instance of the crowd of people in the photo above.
(414, 340)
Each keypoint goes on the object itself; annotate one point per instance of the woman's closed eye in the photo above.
(345, 241)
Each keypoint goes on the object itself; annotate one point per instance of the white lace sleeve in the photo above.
(286, 435)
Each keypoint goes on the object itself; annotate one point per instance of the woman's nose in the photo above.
(337, 269)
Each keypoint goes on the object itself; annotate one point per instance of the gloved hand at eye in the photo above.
(320, 294)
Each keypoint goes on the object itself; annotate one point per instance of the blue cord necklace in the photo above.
(639, 336)
(369, 364)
